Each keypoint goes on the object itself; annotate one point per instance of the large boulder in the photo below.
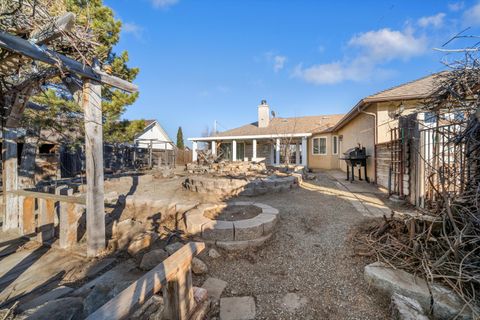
(153, 258)
(446, 304)
(101, 294)
(60, 309)
(173, 247)
(404, 308)
(141, 242)
(198, 266)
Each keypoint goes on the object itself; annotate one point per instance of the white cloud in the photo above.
(329, 73)
(471, 16)
(386, 44)
(132, 28)
(371, 50)
(456, 6)
(279, 62)
(434, 21)
(163, 4)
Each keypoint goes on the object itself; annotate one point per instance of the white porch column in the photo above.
(194, 151)
(277, 152)
(254, 152)
(234, 150)
(272, 154)
(304, 151)
(214, 148)
(297, 153)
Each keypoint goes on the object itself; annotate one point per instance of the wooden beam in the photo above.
(54, 30)
(92, 106)
(10, 179)
(33, 51)
(54, 197)
(127, 301)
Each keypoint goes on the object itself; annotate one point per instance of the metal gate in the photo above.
(442, 165)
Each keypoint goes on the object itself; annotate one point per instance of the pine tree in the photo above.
(180, 144)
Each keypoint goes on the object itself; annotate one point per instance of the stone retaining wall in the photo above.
(224, 186)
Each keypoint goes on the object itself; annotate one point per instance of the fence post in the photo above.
(178, 295)
(28, 215)
(46, 217)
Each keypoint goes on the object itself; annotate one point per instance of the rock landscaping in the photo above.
(446, 304)
(244, 186)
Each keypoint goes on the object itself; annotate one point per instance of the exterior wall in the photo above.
(361, 131)
(317, 161)
(156, 133)
(385, 122)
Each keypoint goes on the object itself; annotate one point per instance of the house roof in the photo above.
(294, 125)
(417, 89)
(148, 125)
(149, 122)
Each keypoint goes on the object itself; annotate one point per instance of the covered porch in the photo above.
(273, 150)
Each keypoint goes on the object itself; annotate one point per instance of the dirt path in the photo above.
(306, 271)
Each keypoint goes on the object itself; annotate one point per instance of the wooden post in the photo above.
(178, 296)
(28, 215)
(68, 224)
(10, 179)
(46, 218)
(92, 106)
(150, 155)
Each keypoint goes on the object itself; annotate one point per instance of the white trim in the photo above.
(326, 146)
(333, 145)
(263, 136)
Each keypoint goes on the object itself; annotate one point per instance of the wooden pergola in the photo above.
(17, 214)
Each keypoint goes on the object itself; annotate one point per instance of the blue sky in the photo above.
(206, 60)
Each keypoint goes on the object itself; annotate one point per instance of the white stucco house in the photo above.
(155, 136)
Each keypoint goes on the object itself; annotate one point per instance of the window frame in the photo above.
(334, 145)
(313, 146)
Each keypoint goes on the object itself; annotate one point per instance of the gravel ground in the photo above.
(307, 269)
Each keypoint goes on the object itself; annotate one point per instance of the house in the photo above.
(154, 136)
(269, 140)
(377, 122)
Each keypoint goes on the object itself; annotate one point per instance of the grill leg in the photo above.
(366, 176)
(348, 172)
(353, 174)
(360, 173)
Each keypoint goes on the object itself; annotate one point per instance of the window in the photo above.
(319, 146)
(335, 144)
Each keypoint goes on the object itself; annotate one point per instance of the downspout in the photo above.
(374, 115)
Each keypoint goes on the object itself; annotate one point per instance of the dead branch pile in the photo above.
(444, 244)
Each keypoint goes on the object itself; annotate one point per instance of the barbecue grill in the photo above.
(356, 157)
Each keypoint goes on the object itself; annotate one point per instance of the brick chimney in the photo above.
(263, 114)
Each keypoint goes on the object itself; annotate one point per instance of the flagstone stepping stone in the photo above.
(237, 308)
(214, 288)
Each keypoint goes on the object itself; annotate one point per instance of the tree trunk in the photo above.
(29, 155)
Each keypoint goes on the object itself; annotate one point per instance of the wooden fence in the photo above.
(38, 211)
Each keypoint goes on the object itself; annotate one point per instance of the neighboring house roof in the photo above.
(149, 124)
(417, 89)
(281, 126)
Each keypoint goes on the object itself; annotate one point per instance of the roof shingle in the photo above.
(294, 125)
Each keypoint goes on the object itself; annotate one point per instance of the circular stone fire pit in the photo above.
(235, 225)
